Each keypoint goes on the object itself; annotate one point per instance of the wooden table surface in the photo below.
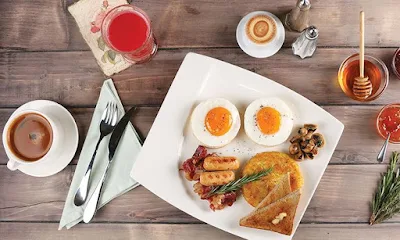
(43, 56)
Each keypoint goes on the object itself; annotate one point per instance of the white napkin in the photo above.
(118, 181)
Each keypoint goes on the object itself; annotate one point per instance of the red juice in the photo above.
(128, 32)
(126, 29)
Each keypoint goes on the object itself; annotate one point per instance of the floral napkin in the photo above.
(89, 15)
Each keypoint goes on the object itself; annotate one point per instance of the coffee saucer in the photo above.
(260, 50)
(70, 141)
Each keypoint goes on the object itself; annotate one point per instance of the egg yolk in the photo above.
(268, 120)
(218, 121)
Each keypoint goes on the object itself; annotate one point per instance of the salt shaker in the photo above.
(306, 43)
(298, 19)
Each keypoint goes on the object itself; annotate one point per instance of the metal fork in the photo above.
(107, 124)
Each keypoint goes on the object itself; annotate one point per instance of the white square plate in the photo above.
(170, 140)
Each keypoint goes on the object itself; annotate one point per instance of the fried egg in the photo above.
(215, 122)
(268, 121)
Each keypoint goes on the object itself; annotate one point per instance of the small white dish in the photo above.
(69, 141)
(171, 140)
(260, 50)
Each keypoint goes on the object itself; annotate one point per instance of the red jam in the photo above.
(397, 63)
(388, 121)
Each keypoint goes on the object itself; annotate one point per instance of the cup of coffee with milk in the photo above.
(30, 137)
(260, 34)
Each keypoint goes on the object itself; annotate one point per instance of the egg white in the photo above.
(254, 133)
(199, 128)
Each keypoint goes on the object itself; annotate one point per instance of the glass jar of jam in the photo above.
(396, 63)
(388, 121)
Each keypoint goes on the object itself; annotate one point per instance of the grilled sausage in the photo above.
(220, 163)
(216, 178)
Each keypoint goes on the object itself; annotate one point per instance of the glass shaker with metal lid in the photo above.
(306, 43)
(298, 19)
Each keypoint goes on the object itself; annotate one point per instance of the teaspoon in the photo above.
(382, 152)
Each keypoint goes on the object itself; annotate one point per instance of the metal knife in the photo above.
(93, 202)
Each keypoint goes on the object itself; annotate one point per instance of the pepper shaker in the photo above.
(298, 19)
(306, 43)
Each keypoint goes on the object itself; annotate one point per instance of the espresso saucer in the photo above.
(70, 141)
(260, 50)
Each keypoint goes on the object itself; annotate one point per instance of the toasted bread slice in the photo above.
(263, 217)
(281, 189)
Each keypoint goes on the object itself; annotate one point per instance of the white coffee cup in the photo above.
(15, 161)
(260, 50)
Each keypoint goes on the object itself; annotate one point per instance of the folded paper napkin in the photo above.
(118, 181)
(89, 15)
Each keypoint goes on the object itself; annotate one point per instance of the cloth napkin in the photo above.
(118, 181)
(89, 15)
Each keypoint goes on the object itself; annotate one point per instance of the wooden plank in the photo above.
(359, 144)
(346, 232)
(194, 23)
(74, 79)
(142, 120)
(344, 195)
(47, 231)
(25, 25)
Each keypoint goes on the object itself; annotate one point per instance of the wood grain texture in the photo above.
(142, 120)
(43, 56)
(193, 23)
(74, 79)
(26, 25)
(343, 195)
(359, 144)
(48, 231)
(202, 25)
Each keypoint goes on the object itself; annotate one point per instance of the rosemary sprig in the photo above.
(236, 185)
(386, 202)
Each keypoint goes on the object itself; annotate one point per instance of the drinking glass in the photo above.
(126, 29)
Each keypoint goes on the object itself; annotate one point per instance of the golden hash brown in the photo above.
(255, 192)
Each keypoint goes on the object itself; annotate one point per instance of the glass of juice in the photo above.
(374, 69)
(126, 29)
(388, 121)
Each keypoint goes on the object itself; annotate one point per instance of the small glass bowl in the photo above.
(384, 135)
(383, 72)
(397, 53)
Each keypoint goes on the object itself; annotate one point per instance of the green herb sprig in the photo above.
(386, 202)
(236, 185)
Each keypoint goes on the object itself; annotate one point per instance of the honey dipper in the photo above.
(362, 86)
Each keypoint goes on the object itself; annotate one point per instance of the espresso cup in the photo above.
(260, 34)
(30, 138)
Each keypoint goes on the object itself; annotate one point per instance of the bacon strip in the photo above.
(220, 201)
(201, 190)
(200, 153)
(194, 165)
